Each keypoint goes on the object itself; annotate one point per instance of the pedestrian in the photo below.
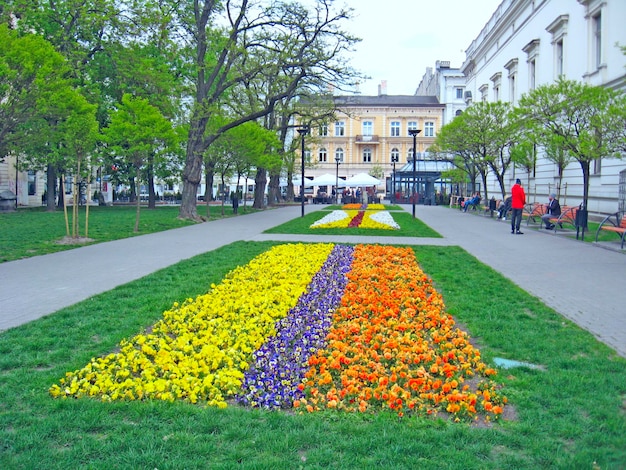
(235, 199)
(518, 200)
(553, 210)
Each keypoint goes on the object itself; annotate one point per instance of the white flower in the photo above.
(334, 216)
(384, 217)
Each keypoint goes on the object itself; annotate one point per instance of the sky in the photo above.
(403, 37)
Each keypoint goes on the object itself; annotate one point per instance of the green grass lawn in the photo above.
(569, 414)
(409, 227)
(34, 231)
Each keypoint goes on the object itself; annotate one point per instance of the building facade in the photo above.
(447, 85)
(371, 135)
(528, 43)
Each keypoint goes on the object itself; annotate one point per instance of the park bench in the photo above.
(568, 216)
(615, 223)
(533, 212)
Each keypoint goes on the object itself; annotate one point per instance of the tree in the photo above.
(283, 40)
(139, 133)
(587, 122)
(452, 145)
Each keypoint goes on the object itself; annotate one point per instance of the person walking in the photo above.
(518, 200)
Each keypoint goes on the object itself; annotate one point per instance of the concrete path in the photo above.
(584, 283)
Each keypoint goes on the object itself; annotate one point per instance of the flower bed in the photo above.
(353, 218)
(357, 329)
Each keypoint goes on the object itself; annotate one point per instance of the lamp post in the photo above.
(338, 161)
(414, 133)
(303, 130)
(394, 160)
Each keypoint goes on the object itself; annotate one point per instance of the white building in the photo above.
(448, 85)
(527, 43)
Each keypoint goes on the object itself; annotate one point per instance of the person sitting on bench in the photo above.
(552, 211)
(472, 202)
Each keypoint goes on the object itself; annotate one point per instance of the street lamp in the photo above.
(414, 133)
(303, 130)
(394, 160)
(338, 161)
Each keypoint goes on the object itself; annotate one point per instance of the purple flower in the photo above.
(278, 367)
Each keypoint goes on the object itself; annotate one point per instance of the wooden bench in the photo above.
(568, 216)
(615, 223)
(533, 212)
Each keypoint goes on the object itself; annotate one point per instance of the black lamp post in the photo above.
(338, 161)
(414, 133)
(303, 130)
(394, 160)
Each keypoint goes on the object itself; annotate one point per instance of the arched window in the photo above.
(323, 155)
(339, 155)
(367, 155)
(395, 155)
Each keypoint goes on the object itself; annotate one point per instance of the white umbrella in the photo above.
(362, 179)
(326, 180)
(297, 182)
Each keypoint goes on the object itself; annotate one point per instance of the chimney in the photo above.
(382, 88)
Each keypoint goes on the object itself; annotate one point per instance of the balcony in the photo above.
(367, 139)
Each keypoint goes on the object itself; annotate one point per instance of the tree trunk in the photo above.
(259, 189)
(138, 212)
(61, 195)
(273, 194)
(50, 188)
(151, 195)
(192, 173)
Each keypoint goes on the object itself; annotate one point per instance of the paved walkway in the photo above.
(582, 282)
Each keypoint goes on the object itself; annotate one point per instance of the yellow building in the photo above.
(371, 132)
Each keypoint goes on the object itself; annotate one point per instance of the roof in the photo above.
(387, 100)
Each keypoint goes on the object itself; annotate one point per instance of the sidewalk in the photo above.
(582, 282)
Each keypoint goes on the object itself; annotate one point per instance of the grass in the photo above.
(409, 227)
(34, 231)
(570, 415)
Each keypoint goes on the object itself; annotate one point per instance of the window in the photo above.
(395, 128)
(395, 155)
(340, 129)
(367, 155)
(322, 155)
(511, 66)
(558, 58)
(484, 90)
(597, 166)
(409, 157)
(411, 125)
(459, 93)
(323, 130)
(339, 155)
(429, 129)
(368, 128)
(532, 51)
(496, 79)
(32, 183)
(558, 29)
(596, 24)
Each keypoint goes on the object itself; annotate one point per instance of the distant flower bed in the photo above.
(369, 207)
(354, 218)
(310, 327)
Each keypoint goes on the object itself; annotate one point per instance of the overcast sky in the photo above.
(403, 37)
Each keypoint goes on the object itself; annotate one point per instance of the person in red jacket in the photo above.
(518, 200)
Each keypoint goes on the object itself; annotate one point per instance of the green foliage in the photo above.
(587, 122)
